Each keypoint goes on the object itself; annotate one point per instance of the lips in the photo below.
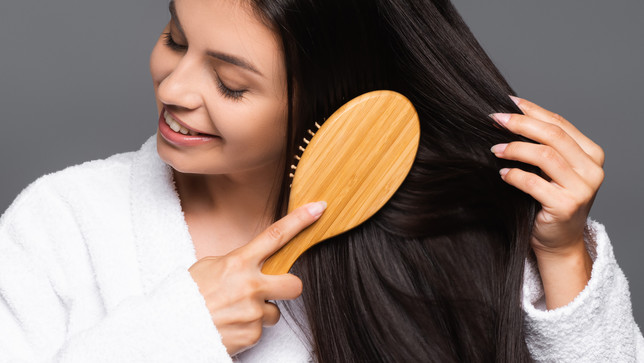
(179, 126)
(177, 133)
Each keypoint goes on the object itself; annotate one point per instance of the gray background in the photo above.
(75, 86)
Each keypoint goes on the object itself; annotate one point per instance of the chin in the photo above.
(185, 163)
(173, 157)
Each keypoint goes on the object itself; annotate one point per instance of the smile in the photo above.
(177, 133)
(177, 127)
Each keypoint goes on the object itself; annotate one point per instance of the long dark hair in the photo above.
(436, 275)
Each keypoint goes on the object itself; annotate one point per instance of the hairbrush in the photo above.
(355, 162)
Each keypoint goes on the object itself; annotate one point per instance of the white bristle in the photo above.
(311, 132)
(306, 141)
(293, 167)
(297, 157)
(301, 149)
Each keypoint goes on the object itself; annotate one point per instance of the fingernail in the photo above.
(501, 118)
(504, 171)
(498, 148)
(315, 209)
(515, 99)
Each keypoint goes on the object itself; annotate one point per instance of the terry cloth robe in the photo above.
(94, 268)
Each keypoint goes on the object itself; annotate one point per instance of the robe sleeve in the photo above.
(40, 263)
(597, 326)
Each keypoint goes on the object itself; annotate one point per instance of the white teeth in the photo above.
(174, 125)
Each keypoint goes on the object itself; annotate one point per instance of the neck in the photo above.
(245, 201)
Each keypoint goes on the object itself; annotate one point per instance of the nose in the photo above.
(181, 86)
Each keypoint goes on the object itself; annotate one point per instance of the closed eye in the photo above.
(235, 95)
(169, 41)
(225, 91)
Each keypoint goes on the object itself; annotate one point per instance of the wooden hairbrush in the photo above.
(355, 162)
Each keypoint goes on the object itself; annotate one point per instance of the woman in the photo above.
(156, 255)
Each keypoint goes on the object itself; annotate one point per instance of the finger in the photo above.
(544, 157)
(532, 109)
(271, 314)
(240, 337)
(545, 193)
(282, 231)
(281, 287)
(549, 134)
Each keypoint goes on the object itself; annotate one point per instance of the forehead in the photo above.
(230, 27)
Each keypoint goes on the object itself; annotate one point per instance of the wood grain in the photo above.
(355, 162)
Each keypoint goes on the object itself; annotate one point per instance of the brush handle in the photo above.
(288, 254)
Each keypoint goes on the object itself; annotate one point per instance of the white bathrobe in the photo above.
(94, 268)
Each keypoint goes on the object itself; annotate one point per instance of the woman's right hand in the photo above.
(235, 289)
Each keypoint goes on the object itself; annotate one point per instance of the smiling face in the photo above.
(218, 70)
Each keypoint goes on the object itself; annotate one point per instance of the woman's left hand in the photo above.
(572, 173)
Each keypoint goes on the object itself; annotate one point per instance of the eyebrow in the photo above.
(240, 62)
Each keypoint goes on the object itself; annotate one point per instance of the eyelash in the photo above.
(225, 91)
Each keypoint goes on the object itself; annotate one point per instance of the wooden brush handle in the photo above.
(288, 254)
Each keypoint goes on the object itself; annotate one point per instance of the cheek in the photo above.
(273, 135)
(274, 121)
(261, 128)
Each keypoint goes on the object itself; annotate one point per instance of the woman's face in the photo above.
(223, 74)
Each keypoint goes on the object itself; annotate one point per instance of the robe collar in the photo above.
(160, 230)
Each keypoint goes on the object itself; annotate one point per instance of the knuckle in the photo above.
(251, 288)
(246, 293)
(554, 132)
(253, 336)
(254, 286)
(599, 154)
(548, 153)
(235, 262)
(512, 149)
(599, 176)
(275, 232)
(254, 313)
(584, 195)
(558, 118)
(302, 215)
(527, 105)
(530, 181)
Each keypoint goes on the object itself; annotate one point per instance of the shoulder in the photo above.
(86, 177)
(79, 187)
